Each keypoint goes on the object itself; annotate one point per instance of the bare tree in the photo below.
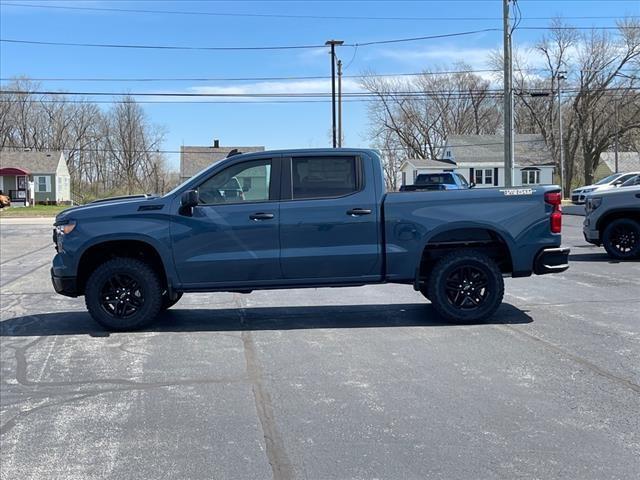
(417, 115)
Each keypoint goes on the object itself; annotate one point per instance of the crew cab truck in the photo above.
(612, 220)
(306, 218)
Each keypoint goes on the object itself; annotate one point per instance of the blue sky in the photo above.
(272, 125)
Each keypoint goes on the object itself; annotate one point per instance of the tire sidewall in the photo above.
(148, 281)
(608, 246)
(438, 293)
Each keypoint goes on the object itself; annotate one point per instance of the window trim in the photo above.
(274, 182)
(527, 172)
(287, 183)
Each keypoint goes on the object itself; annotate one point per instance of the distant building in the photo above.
(480, 159)
(47, 170)
(193, 159)
(627, 162)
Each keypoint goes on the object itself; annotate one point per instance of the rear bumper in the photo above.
(551, 260)
(67, 286)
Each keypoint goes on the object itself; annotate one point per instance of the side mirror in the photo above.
(189, 199)
(472, 184)
(617, 183)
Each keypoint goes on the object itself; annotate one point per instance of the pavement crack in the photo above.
(577, 359)
(281, 466)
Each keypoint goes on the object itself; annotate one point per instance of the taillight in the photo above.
(555, 200)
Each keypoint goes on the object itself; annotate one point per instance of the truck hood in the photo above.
(108, 206)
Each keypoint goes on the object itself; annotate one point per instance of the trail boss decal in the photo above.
(518, 191)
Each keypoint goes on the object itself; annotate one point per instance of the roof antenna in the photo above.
(233, 152)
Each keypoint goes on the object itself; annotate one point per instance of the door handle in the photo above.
(356, 212)
(261, 216)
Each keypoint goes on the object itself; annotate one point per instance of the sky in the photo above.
(262, 23)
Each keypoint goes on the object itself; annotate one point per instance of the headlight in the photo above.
(587, 190)
(66, 228)
(594, 202)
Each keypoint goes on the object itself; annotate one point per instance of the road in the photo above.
(324, 384)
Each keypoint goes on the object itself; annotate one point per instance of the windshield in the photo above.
(608, 179)
(463, 181)
(635, 180)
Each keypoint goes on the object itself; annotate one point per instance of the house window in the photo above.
(448, 155)
(483, 176)
(530, 177)
(42, 184)
(404, 178)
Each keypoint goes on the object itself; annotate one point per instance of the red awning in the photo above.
(13, 171)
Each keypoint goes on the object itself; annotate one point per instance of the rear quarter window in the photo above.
(323, 177)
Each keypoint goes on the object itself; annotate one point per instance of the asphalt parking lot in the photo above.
(324, 384)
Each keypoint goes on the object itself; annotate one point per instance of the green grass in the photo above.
(35, 211)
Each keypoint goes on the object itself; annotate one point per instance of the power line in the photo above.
(287, 16)
(187, 150)
(242, 48)
(289, 94)
(267, 79)
(242, 79)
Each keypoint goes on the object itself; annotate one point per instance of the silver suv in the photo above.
(613, 220)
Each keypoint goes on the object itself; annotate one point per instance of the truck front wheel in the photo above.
(123, 294)
(621, 239)
(466, 287)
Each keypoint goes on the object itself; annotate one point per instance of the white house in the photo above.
(47, 171)
(480, 159)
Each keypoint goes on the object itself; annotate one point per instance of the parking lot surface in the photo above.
(323, 383)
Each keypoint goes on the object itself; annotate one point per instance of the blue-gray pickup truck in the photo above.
(303, 218)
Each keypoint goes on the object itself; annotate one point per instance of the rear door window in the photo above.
(323, 177)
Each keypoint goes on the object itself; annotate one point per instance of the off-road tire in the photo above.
(141, 277)
(167, 303)
(444, 292)
(621, 239)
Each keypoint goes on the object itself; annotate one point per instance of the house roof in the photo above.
(195, 159)
(627, 161)
(31, 161)
(529, 149)
(422, 163)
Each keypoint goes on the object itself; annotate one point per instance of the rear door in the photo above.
(231, 238)
(329, 219)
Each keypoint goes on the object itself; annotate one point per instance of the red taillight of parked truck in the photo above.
(555, 200)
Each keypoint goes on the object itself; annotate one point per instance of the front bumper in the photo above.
(551, 260)
(67, 286)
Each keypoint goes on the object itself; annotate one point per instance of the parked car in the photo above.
(578, 196)
(612, 220)
(323, 219)
(437, 181)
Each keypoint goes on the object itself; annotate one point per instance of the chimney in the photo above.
(216, 143)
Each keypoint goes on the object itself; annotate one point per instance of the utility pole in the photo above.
(617, 134)
(562, 75)
(508, 99)
(340, 103)
(332, 44)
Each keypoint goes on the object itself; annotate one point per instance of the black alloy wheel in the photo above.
(121, 296)
(621, 239)
(467, 287)
(124, 294)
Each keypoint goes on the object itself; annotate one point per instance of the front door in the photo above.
(231, 238)
(329, 224)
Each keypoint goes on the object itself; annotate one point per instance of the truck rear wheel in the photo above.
(123, 294)
(621, 239)
(466, 287)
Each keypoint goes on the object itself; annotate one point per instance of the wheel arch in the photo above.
(610, 216)
(489, 239)
(107, 248)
